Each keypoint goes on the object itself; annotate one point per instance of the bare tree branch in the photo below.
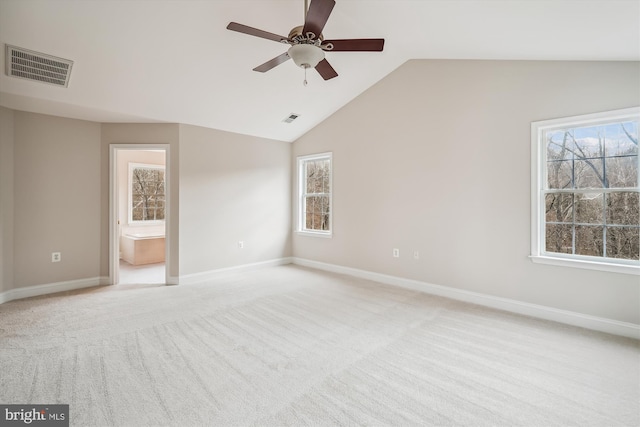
(601, 178)
(631, 138)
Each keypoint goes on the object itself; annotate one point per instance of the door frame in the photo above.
(114, 237)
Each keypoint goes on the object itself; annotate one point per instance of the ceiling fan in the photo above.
(307, 42)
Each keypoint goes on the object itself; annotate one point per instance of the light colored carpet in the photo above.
(291, 346)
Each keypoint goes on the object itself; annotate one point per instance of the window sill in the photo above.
(314, 234)
(149, 223)
(586, 264)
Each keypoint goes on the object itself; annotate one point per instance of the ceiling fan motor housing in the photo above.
(297, 37)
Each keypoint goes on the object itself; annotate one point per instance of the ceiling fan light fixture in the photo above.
(306, 55)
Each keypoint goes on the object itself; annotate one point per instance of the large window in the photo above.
(586, 193)
(314, 191)
(147, 193)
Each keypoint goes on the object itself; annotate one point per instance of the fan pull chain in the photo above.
(305, 76)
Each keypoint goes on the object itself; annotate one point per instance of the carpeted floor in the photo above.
(147, 273)
(291, 346)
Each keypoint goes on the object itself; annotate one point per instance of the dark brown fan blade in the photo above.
(355, 45)
(317, 15)
(326, 70)
(234, 26)
(272, 63)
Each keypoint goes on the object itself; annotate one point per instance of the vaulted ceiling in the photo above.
(175, 61)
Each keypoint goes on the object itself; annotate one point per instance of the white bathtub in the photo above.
(142, 248)
(145, 235)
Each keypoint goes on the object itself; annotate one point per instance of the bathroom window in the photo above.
(147, 193)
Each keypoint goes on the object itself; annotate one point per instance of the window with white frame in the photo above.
(586, 192)
(314, 194)
(146, 193)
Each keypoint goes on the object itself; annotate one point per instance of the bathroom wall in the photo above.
(144, 133)
(124, 158)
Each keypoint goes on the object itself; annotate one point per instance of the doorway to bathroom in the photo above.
(139, 214)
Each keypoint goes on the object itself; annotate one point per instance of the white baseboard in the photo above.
(542, 312)
(615, 327)
(51, 288)
(212, 274)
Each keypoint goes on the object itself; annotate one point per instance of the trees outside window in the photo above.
(314, 194)
(587, 196)
(147, 193)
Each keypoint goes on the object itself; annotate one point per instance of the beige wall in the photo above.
(54, 186)
(136, 133)
(6, 199)
(435, 158)
(232, 188)
(56, 196)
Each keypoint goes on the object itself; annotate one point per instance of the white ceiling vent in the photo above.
(30, 65)
(291, 118)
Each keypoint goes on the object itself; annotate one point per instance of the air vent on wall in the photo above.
(30, 65)
(291, 118)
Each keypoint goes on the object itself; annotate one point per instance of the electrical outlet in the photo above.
(240, 244)
(396, 253)
(56, 257)
(416, 255)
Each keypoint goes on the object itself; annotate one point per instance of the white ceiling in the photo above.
(174, 61)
